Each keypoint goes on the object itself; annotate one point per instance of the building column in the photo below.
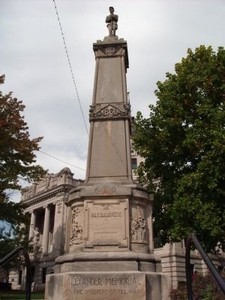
(46, 230)
(32, 224)
(58, 236)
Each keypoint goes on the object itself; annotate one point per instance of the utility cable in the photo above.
(70, 65)
(61, 160)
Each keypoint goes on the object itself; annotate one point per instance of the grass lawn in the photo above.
(14, 295)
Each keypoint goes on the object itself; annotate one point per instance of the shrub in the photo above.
(203, 287)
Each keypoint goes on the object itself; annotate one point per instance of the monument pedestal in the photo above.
(109, 217)
(108, 247)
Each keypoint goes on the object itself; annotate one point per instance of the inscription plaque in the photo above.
(110, 286)
(106, 223)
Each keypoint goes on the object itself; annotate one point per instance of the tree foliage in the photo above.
(17, 157)
(11, 239)
(204, 287)
(183, 144)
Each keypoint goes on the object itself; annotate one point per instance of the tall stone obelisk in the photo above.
(109, 243)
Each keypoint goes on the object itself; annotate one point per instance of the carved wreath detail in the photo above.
(110, 50)
(109, 111)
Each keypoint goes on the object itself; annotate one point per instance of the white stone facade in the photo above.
(46, 205)
(173, 262)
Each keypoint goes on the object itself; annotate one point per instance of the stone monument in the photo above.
(109, 242)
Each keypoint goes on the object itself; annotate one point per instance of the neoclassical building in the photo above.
(45, 202)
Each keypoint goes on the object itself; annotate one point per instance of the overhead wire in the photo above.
(75, 86)
(61, 160)
(70, 65)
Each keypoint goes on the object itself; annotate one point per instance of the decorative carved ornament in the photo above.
(110, 50)
(36, 240)
(59, 207)
(76, 236)
(105, 190)
(139, 229)
(109, 111)
(76, 211)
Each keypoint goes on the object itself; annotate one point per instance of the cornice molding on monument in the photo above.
(111, 48)
(106, 111)
(48, 195)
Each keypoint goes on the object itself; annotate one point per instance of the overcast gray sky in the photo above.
(32, 57)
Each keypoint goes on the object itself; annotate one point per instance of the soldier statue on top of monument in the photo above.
(111, 21)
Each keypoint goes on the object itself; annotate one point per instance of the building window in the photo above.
(134, 163)
(44, 272)
(20, 277)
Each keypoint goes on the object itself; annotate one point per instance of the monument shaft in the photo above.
(109, 143)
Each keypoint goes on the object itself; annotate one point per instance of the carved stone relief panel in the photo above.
(105, 111)
(106, 223)
(139, 227)
(76, 232)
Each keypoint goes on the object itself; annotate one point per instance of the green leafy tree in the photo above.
(11, 239)
(183, 144)
(17, 161)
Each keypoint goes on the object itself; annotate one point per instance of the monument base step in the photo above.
(105, 261)
(107, 286)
